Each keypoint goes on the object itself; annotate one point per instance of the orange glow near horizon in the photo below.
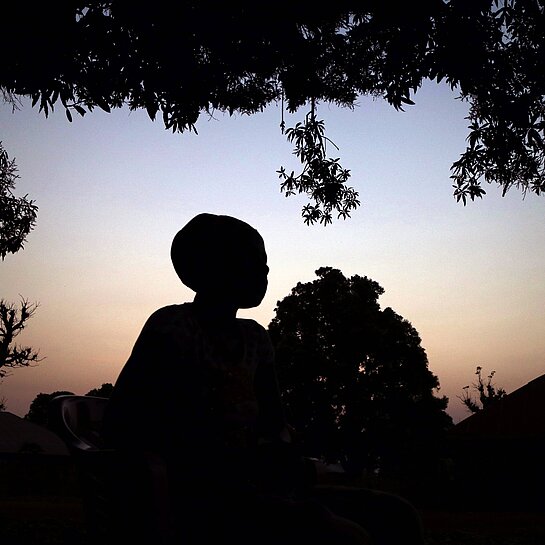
(112, 191)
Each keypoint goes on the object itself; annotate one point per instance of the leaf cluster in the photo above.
(17, 214)
(322, 178)
(504, 84)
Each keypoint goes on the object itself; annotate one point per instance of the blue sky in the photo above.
(113, 189)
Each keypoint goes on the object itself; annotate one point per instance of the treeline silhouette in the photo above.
(355, 382)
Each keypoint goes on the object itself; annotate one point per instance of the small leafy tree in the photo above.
(13, 319)
(487, 393)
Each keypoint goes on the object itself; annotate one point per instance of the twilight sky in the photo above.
(113, 189)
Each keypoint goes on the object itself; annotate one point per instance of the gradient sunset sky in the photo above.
(113, 189)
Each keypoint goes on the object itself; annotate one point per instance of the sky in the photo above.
(113, 190)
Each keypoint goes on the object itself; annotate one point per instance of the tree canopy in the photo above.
(184, 59)
(38, 411)
(354, 378)
(104, 391)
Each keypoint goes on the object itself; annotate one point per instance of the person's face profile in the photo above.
(249, 272)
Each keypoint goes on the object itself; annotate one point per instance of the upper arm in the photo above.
(136, 408)
(271, 418)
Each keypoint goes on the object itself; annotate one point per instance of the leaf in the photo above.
(101, 103)
(152, 109)
(473, 137)
(81, 111)
(68, 114)
(535, 137)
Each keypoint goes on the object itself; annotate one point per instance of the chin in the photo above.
(252, 297)
(251, 302)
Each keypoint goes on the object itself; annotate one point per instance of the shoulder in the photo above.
(256, 335)
(171, 316)
(252, 327)
(170, 311)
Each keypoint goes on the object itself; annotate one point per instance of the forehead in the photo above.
(249, 243)
(208, 236)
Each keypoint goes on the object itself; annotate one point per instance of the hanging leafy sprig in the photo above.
(323, 179)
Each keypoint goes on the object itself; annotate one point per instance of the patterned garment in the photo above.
(194, 392)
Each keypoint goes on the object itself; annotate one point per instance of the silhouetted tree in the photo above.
(13, 320)
(354, 378)
(104, 391)
(38, 411)
(238, 58)
(17, 218)
(487, 393)
(17, 214)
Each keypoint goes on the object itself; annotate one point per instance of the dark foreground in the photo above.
(40, 505)
(54, 520)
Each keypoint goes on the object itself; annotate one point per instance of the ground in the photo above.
(40, 505)
(58, 520)
(476, 528)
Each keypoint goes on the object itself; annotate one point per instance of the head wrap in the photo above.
(205, 248)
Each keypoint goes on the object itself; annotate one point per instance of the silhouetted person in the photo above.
(199, 390)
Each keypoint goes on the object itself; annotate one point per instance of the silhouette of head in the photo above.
(222, 257)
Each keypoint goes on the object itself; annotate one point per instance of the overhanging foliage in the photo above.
(178, 60)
